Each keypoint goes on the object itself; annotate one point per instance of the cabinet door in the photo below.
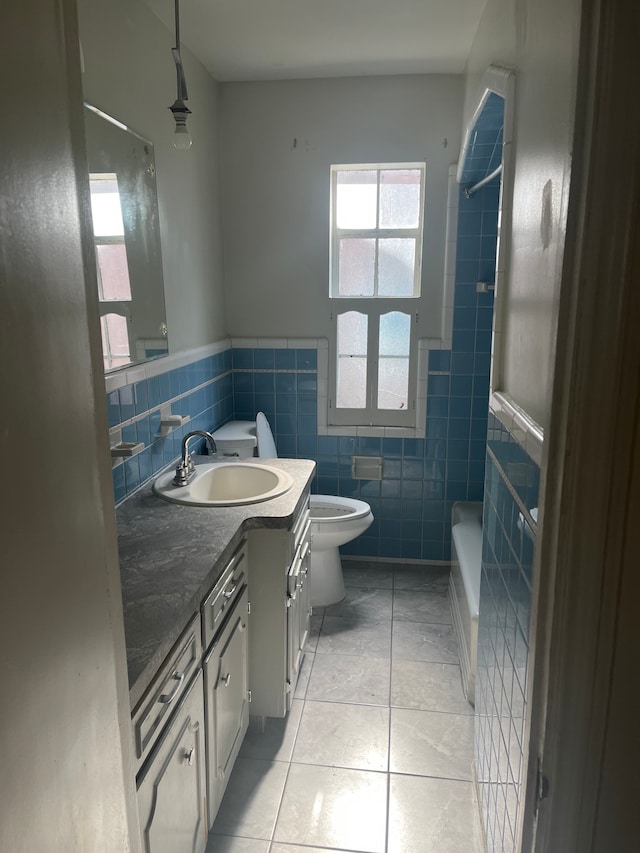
(171, 786)
(231, 691)
(227, 690)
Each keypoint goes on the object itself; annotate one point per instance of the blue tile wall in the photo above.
(511, 488)
(484, 153)
(203, 390)
(422, 477)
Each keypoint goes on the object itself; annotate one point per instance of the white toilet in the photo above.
(334, 520)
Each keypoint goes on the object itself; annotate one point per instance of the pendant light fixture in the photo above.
(181, 136)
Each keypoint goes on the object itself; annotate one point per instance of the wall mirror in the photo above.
(124, 206)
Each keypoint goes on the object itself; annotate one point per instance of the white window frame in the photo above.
(119, 306)
(374, 307)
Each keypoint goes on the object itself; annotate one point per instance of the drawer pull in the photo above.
(189, 756)
(226, 679)
(229, 592)
(167, 698)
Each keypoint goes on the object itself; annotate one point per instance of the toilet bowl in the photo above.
(334, 520)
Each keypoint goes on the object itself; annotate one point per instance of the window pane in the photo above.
(393, 365)
(356, 199)
(352, 333)
(400, 198)
(105, 208)
(395, 333)
(115, 340)
(393, 383)
(396, 266)
(356, 267)
(114, 272)
(352, 383)
(351, 391)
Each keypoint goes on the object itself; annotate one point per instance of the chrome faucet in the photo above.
(185, 469)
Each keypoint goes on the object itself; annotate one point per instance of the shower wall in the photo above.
(509, 533)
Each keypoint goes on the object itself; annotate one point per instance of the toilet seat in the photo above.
(331, 509)
(266, 444)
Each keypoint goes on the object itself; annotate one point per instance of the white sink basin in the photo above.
(225, 484)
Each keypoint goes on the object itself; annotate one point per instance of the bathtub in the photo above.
(464, 586)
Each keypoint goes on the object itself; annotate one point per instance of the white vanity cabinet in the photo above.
(280, 613)
(226, 673)
(171, 785)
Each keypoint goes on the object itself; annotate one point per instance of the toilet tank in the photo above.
(236, 438)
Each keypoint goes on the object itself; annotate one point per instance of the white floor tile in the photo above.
(250, 805)
(424, 641)
(338, 735)
(335, 808)
(355, 636)
(412, 606)
(428, 687)
(349, 678)
(276, 742)
(428, 743)
(306, 667)
(362, 602)
(363, 574)
(432, 816)
(421, 579)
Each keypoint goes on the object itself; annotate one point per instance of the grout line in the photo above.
(284, 788)
(387, 821)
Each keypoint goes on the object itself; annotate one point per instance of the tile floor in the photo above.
(375, 754)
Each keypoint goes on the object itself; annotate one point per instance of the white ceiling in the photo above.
(289, 39)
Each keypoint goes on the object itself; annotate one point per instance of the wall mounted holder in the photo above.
(170, 421)
(366, 467)
(127, 448)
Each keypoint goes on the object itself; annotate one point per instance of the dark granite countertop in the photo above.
(171, 556)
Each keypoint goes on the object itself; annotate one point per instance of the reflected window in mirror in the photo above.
(126, 228)
(113, 270)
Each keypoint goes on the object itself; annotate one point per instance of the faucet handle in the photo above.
(183, 472)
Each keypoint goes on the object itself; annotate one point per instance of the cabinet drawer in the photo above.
(300, 525)
(166, 690)
(221, 598)
(299, 564)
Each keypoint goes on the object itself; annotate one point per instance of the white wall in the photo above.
(64, 731)
(494, 44)
(539, 38)
(129, 73)
(278, 140)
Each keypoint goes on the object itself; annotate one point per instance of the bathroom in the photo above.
(226, 342)
(274, 365)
